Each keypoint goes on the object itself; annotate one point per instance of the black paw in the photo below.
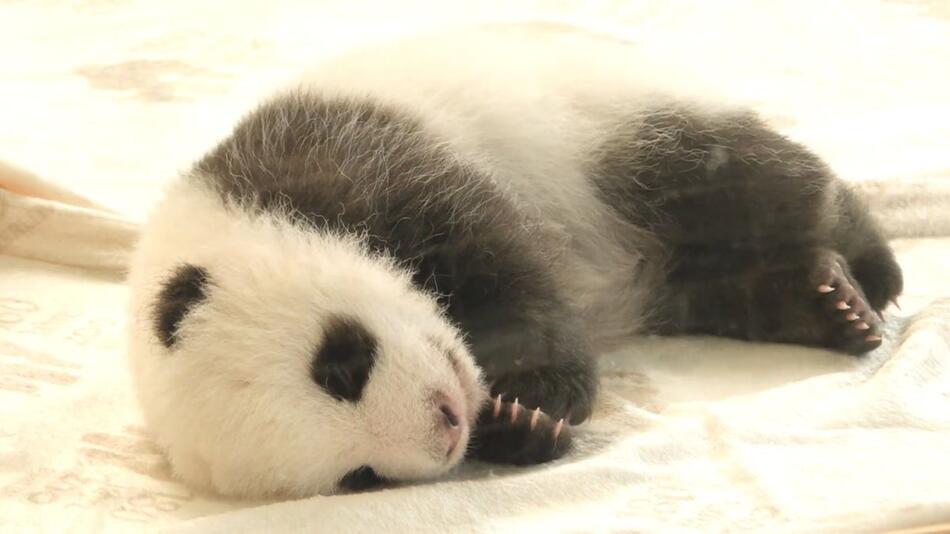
(511, 433)
(856, 326)
(564, 391)
(879, 275)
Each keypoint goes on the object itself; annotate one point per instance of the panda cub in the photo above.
(412, 257)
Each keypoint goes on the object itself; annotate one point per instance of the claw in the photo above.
(557, 428)
(861, 325)
(535, 415)
(872, 338)
(894, 302)
(852, 316)
(842, 305)
(514, 411)
(825, 288)
(496, 411)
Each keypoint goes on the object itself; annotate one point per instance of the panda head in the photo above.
(273, 359)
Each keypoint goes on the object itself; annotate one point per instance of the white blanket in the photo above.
(689, 434)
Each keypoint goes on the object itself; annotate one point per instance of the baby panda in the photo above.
(413, 256)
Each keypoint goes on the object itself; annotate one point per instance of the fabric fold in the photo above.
(41, 221)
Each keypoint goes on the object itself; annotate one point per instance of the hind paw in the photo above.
(857, 326)
(510, 433)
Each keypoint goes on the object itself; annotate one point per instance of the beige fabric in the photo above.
(70, 235)
(22, 182)
(109, 98)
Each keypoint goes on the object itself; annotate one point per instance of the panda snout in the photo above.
(450, 425)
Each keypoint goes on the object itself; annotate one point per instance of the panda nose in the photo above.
(450, 426)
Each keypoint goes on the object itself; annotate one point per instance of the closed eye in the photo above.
(456, 364)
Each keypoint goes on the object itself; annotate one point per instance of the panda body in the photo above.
(232, 400)
(329, 296)
(534, 107)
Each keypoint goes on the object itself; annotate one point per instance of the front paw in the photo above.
(561, 392)
(509, 433)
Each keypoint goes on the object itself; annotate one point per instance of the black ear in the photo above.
(182, 291)
(344, 359)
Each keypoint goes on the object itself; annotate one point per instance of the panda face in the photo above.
(275, 359)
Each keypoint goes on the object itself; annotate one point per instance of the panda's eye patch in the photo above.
(360, 479)
(182, 291)
(342, 363)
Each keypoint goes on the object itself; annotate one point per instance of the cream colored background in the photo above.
(108, 98)
(112, 96)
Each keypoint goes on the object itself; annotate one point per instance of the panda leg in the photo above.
(751, 225)
(542, 380)
(525, 337)
(861, 242)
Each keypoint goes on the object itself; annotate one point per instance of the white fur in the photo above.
(234, 405)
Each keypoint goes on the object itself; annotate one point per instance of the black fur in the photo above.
(182, 291)
(341, 365)
(465, 242)
(361, 479)
(859, 239)
(749, 222)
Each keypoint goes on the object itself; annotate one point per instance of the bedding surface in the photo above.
(105, 100)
